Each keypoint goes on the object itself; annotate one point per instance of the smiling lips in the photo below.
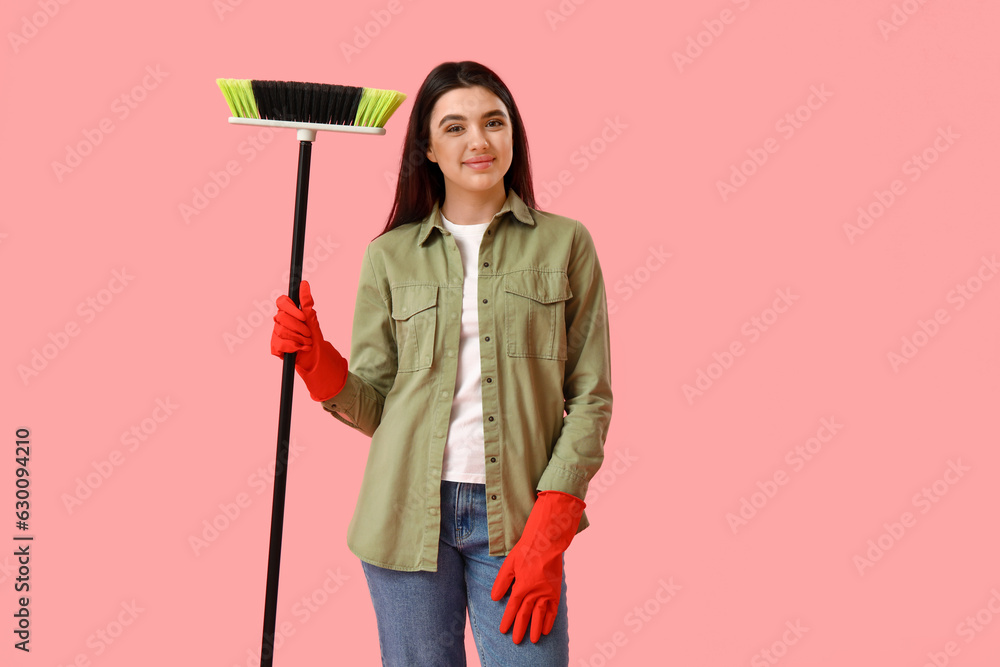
(479, 163)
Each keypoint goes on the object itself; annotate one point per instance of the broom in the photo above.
(307, 107)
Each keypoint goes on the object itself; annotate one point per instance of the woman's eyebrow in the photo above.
(487, 114)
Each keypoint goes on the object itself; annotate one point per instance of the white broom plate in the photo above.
(307, 126)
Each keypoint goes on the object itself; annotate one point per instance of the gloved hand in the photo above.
(317, 362)
(535, 565)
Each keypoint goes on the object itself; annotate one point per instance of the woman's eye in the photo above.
(499, 123)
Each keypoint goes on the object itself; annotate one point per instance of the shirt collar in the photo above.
(513, 203)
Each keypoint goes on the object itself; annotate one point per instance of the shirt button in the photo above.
(444, 393)
(491, 418)
(486, 300)
(489, 380)
(493, 459)
(487, 339)
(493, 497)
(486, 263)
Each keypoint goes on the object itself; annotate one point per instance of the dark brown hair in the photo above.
(421, 183)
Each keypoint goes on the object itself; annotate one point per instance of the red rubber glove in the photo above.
(535, 565)
(317, 362)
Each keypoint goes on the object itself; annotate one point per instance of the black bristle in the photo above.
(316, 103)
(353, 101)
(307, 102)
(258, 95)
(340, 106)
(326, 110)
(275, 100)
(293, 94)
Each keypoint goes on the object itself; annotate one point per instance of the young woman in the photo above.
(480, 367)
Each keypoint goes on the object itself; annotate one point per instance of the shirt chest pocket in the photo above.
(414, 314)
(535, 314)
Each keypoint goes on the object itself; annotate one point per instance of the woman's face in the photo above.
(471, 140)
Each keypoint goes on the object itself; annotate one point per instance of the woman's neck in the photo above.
(471, 208)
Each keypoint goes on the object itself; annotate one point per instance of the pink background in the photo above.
(684, 462)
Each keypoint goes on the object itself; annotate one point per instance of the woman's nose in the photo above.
(477, 138)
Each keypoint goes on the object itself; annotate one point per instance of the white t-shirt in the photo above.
(464, 452)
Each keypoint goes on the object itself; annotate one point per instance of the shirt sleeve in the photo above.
(579, 450)
(372, 364)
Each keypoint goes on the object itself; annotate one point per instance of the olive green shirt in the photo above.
(546, 375)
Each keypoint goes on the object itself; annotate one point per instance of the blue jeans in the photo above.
(421, 615)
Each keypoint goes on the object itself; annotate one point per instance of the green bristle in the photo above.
(377, 106)
(239, 96)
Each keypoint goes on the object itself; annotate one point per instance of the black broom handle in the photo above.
(285, 414)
